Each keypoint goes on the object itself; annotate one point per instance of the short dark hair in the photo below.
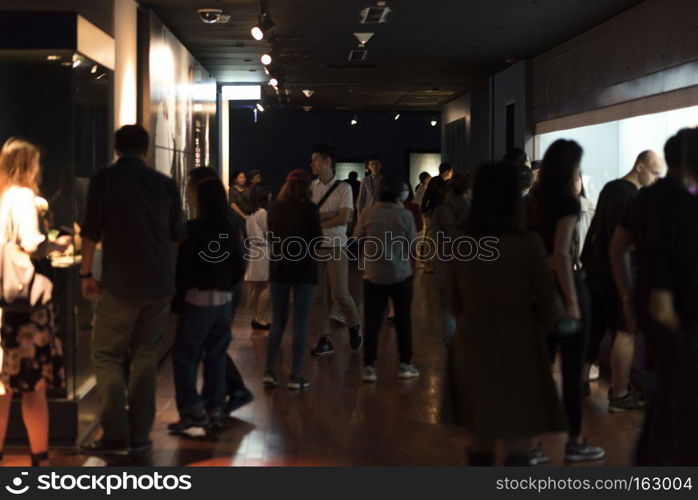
(445, 167)
(689, 151)
(324, 150)
(535, 165)
(353, 175)
(373, 158)
(390, 188)
(675, 147)
(131, 140)
(424, 176)
(253, 172)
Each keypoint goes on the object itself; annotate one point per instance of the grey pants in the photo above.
(335, 270)
(133, 331)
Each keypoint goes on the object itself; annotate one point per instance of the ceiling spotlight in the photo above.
(363, 38)
(354, 121)
(94, 69)
(397, 116)
(53, 57)
(260, 107)
(263, 28)
(308, 93)
(266, 59)
(433, 122)
(307, 108)
(274, 82)
(76, 63)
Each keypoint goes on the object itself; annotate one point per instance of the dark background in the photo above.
(283, 140)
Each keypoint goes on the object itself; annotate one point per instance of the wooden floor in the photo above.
(341, 421)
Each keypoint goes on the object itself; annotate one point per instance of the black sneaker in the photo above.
(297, 382)
(237, 401)
(629, 402)
(269, 379)
(583, 452)
(356, 340)
(188, 421)
(104, 448)
(323, 347)
(215, 420)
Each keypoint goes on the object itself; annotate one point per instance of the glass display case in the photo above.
(61, 101)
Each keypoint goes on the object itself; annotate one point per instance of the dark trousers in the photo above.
(203, 332)
(573, 354)
(302, 299)
(375, 304)
(127, 330)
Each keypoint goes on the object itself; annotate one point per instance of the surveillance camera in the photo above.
(210, 16)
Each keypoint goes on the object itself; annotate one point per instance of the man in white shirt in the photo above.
(336, 205)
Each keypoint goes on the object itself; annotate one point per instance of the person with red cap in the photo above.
(293, 223)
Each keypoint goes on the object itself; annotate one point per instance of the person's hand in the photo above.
(89, 288)
(63, 242)
(572, 311)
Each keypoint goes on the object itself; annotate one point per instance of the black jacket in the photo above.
(301, 223)
(434, 195)
(210, 257)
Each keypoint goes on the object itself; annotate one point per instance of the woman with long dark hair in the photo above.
(32, 356)
(504, 303)
(294, 223)
(554, 212)
(209, 267)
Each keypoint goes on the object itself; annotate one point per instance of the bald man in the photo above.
(606, 307)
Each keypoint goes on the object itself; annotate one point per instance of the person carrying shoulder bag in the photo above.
(32, 359)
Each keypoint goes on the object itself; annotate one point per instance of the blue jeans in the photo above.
(203, 332)
(302, 298)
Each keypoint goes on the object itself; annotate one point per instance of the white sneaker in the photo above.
(407, 371)
(594, 372)
(369, 375)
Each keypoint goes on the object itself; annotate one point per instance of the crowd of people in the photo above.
(566, 273)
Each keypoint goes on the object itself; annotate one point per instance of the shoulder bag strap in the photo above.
(328, 193)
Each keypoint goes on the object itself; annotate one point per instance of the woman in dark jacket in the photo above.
(293, 222)
(209, 266)
(554, 213)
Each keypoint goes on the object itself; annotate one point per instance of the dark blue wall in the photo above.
(282, 140)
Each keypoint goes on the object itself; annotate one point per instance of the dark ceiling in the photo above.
(429, 51)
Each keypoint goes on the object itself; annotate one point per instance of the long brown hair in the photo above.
(294, 191)
(19, 164)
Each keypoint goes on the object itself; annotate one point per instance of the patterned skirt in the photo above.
(31, 352)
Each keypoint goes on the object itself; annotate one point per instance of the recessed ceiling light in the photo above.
(94, 69)
(266, 59)
(76, 63)
(53, 57)
(434, 122)
(273, 82)
(354, 120)
(308, 93)
(363, 38)
(397, 116)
